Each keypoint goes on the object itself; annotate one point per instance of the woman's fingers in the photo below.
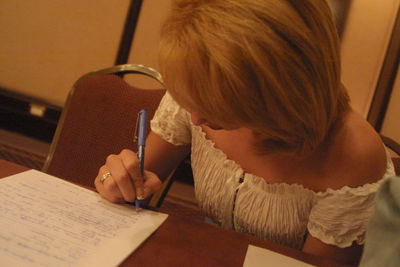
(132, 165)
(120, 179)
(120, 175)
(107, 188)
(145, 184)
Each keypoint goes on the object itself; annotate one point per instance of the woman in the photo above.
(254, 94)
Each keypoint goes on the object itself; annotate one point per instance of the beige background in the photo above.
(145, 44)
(365, 40)
(47, 44)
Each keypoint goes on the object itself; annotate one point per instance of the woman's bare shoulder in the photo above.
(359, 153)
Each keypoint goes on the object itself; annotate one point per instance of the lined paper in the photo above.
(46, 221)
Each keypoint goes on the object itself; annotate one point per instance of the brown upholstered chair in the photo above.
(98, 119)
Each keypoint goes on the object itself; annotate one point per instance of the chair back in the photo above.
(99, 119)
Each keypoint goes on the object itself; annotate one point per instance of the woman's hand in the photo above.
(125, 183)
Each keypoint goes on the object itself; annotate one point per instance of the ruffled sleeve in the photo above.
(171, 122)
(340, 217)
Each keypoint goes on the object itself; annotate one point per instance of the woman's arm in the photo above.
(162, 157)
(350, 255)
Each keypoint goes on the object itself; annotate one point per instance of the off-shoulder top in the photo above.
(279, 212)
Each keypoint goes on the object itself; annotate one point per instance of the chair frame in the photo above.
(390, 143)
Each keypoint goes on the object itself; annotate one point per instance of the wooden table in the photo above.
(182, 242)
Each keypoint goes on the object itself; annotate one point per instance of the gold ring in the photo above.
(104, 177)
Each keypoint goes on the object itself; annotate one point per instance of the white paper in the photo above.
(261, 257)
(46, 221)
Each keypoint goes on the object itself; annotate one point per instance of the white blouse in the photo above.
(282, 213)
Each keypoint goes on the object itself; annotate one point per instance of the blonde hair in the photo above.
(271, 66)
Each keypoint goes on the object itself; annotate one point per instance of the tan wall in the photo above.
(47, 44)
(145, 44)
(365, 40)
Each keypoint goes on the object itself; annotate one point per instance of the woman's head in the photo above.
(271, 66)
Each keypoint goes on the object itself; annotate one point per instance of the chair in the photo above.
(99, 119)
(395, 147)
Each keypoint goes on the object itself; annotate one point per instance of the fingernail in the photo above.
(139, 194)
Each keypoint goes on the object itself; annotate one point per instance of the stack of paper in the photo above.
(46, 221)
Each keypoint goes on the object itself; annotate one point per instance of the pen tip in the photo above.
(137, 205)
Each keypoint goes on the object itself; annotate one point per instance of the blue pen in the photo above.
(141, 135)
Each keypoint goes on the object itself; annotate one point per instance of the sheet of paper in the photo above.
(260, 257)
(46, 221)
